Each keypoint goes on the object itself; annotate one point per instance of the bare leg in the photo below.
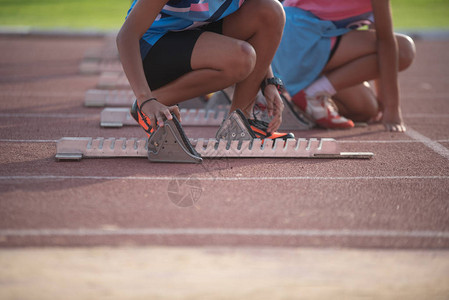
(358, 103)
(260, 23)
(242, 55)
(218, 61)
(354, 62)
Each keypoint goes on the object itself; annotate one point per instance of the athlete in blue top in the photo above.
(322, 58)
(176, 50)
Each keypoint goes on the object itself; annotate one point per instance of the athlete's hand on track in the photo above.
(275, 106)
(392, 120)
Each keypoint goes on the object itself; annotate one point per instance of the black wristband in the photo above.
(148, 100)
(277, 82)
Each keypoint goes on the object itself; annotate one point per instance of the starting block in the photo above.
(96, 67)
(234, 139)
(76, 148)
(98, 98)
(292, 118)
(170, 144)
(213, 114)
(113, 80)
(126, 98)
(106, 51)
(118, 117)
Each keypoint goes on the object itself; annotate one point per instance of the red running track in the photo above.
(399, 199)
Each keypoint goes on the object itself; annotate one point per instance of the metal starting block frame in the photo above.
(170, 144)
(125, 98)
(118, 117)
(99, 66)
(106, 51)
(76, 148)
(100, 59)
(113, 80)
(99, 98)
(216, 109)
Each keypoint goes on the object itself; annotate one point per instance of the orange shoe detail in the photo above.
(260, 130)
(141, 118)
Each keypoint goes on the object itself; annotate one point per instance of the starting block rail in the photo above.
(113, 80)
(106, 51)
(97, 67)
(125, 98)
(76, 148)
(211, 116)
(98, 98)
(118, 117)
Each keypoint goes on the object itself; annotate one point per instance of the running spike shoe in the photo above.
(322, 110)
(260, 130)
(141, 118)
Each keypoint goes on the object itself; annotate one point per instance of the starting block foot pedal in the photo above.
(170, 144)
(235, 127)
(292, 118)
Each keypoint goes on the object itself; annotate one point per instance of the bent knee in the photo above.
(242, 61)
(407, 51)
(271, 14)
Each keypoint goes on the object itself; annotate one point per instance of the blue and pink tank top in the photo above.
(179, 15)
(335, 10)
(310, 28)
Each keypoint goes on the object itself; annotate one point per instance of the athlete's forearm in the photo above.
(136, 24)
(129, 51)
(387, 53)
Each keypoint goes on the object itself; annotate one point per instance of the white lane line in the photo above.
(62, 115)
(422, 95)
(376, 141)
(237, 178)
(435, 146)
(22, 93)
(386, 141)
(225, 232)
(46, 115)
(27, 141)
(425, 115)
(339, 141)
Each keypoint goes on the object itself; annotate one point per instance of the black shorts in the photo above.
(170, 57)
(334, 48)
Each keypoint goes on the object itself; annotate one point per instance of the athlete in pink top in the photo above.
(332, 9)
(359, 56)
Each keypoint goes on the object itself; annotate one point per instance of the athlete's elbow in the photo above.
(122, 40)
(119, 39)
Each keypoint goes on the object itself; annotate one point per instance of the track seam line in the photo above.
(27, 141)
(435, 146)
(46, 115)
(218, 231)
(237, 178)
(425, 115)
(62, 115)
(339, 141)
